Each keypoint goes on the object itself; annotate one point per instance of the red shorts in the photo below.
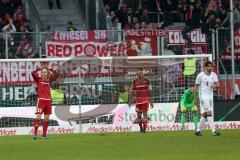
(44, 106)
(142, 107)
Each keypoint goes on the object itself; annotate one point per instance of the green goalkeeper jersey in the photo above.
(187, 98)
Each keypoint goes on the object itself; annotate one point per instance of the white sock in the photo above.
(202, 121)
(210, 121)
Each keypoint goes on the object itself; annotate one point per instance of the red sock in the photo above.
(45, 126)
(36, 125)
(140, 123)
(145, 122)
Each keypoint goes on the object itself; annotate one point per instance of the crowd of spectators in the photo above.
(142, 14)
(13, 19)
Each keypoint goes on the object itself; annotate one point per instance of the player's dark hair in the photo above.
(208, 63)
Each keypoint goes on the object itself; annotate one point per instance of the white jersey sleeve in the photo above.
(198, 79)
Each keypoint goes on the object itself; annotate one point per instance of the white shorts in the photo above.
(206, 105)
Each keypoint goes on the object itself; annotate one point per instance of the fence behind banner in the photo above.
(158, 41)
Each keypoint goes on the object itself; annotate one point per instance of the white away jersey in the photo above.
(205, 81)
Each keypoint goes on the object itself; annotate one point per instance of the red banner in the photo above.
(227, 54)
(91, 49)
(226, 88)
(80, 36)
(142, 42)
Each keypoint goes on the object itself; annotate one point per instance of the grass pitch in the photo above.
(178, 145)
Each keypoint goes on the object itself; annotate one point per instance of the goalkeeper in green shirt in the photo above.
(187, 104)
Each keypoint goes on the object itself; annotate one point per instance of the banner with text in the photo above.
(80, 36)
(175, 42)
(143, 42)
(138, 43)
(96, 119)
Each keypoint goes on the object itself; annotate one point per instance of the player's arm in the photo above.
(196, 88)
(216, 84)
(196, 94)
(150, 95)
(182, 102)
(35, 74)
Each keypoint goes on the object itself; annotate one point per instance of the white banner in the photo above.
(97, 119)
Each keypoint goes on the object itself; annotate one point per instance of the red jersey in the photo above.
(44, 85)
(141, 88)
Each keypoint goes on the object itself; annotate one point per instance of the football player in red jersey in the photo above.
(141, 89)
(44, 97)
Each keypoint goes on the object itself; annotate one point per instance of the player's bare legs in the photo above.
(140, 123)
(45, 126)
(36, 125)
(145, 120)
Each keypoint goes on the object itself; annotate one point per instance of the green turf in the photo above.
(123, 146)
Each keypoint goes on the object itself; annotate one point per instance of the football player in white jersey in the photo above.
(206, 82)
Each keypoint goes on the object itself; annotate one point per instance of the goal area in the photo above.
(91, 92)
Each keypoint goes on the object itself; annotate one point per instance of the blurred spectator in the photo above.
(133, 4)
(107, 8)
(137, 26)
(169, 9)
(193, 18)
(9, 28)
(181, 9)
(210, 19)
(71, 27)
(115, 22)
(222, 14)
(143, 25)
(130, 14)
(123, 13)
(22, 28)
(112, 14)
(209, 22)
(134, 21)
(25, 49)
(28, 25)
(16, 3)
(5, 20)
(154, 25)
(236, 14)
(19, 17)
(113, 4)
(145, 16)
(6, 8)
(25, 27)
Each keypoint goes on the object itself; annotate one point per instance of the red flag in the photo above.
(212, 5)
